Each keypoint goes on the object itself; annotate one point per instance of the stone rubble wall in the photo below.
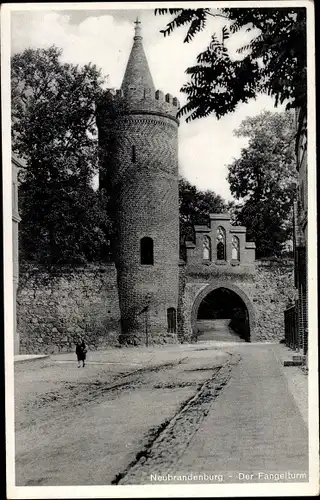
(54, 310)
(274, 288)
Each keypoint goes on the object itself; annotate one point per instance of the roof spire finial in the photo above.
(137, 72)
(137, 28)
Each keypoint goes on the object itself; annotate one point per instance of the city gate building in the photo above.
(147, 294)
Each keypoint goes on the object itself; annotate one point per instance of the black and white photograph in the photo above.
(160, 239)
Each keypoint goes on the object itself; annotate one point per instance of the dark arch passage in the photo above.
(221, 314)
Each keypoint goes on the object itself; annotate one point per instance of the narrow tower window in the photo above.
(206, 248)
(146, 251)
(221, 243)
(133, 154)
(235, 248)
(172, 320)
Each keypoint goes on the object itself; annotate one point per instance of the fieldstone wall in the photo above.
(274, 288)
(54, 309)
(267, 288)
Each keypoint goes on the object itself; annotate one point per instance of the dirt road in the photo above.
(137, 413)
(92, 425)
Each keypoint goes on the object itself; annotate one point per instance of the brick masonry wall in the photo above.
(54, 310)
(267, 289)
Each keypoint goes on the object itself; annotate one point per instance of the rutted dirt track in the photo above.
(169, 446)
(99, 424)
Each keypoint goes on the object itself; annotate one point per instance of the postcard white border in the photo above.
(158, 491)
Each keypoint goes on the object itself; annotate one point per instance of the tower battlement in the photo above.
(137, 92)
(143, 99)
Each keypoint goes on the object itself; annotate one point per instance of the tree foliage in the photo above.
(195, 206)
(273, 62)
(53, 130)
(264, 179)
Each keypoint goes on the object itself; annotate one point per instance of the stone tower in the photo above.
(138, 137)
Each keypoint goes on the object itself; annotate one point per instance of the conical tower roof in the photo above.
(137, 73)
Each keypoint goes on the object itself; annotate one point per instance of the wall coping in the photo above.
(202, 229)
(274, 262)
(29, 268)
(212, 269)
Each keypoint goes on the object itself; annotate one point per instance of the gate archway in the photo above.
(241, 297)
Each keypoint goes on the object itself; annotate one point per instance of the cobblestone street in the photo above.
(133, 416)
(253, 430)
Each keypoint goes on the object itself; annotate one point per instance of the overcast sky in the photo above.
(104, 37)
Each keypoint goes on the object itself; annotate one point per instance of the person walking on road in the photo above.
(81, 351)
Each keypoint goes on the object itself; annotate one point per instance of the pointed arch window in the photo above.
(172, 320)
(221, 244)
(206, 248)
(235, 248)
(146, 251)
